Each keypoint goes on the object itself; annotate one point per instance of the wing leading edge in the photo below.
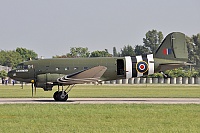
(85, 76)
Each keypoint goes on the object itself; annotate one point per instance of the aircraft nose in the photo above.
(11, 74)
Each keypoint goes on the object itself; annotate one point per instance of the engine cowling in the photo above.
(46, 81)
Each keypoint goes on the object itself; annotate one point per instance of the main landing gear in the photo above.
(62, 95)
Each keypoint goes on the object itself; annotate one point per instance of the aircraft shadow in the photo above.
(95, 101)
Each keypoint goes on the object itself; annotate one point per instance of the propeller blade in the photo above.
(32, 89)
(35, 88)
(22, 85)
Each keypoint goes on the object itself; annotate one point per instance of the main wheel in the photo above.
(55, 96)
(62, 96)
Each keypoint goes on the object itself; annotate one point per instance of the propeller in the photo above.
(22, 85)
(33, 86)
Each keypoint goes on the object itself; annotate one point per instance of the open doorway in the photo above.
(120, 67)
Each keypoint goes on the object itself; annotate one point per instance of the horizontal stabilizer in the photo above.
(163, 67)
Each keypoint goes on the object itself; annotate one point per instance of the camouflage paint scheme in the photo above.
(46, 73)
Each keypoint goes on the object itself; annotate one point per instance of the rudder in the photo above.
(173, 47)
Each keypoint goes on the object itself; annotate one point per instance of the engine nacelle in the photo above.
(46, 81)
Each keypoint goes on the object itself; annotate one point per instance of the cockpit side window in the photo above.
(20, 66)
(25, 67)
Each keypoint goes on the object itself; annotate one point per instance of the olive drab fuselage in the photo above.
(172, 53)
(48, 70)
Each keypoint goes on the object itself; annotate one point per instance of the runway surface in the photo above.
(101, 101)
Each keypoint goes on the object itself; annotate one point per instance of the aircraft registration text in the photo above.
(22, 70)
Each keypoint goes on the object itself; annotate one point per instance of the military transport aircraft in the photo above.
(46, 73)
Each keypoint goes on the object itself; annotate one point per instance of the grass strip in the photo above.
(122, 118)
(97, 91)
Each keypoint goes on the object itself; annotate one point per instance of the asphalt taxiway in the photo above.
(101, 101)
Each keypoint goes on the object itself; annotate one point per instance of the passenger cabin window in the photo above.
(57, 68)
(75, 68)
(66, 68)
(85, 68)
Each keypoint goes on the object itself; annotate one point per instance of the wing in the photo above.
(90, 75)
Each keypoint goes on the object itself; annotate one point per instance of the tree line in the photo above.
(13, 57)
(151, 42)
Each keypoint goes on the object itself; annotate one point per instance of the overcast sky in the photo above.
(52, 27)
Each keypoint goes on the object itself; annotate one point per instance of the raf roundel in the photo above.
(142, 67)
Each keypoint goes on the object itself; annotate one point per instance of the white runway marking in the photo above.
(101, 101)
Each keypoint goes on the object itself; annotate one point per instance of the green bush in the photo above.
(178, 72)
(156, 75)
(3, 74)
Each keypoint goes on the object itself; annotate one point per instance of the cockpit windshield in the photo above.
(22, 66)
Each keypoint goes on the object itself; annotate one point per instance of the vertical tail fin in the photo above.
(173, 47)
